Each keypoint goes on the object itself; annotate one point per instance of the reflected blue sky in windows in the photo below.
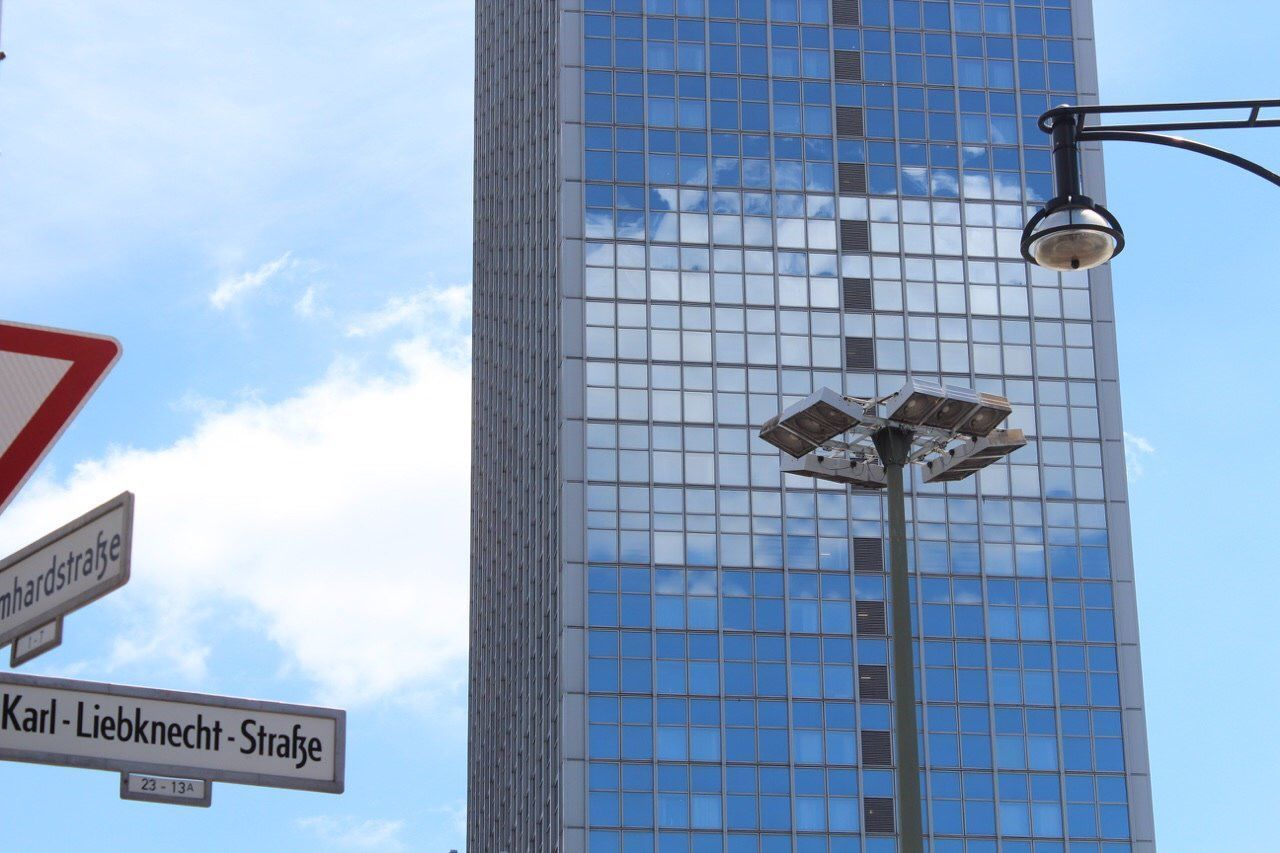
(716, 130)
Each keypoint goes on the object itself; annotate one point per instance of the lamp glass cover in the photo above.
(1081, 245)
(785, 440)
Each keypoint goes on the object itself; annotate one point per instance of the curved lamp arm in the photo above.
(1073, 116)
(1186, 145)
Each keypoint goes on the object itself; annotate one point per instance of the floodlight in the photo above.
(804, 426)
(991, 411)
(956, 409)
(973, 456)
(858, 473)
(915, 402)
(784, 440)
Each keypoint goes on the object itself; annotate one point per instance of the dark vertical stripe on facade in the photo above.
(513, 801)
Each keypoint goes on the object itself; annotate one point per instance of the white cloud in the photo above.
(234, 287)
(449, 306)
(337, 519)
(166, 636)
(454, 814)
(1136, 451)
(215, 132)
(373, 834)
(306, 305)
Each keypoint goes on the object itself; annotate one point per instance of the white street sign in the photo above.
(167, 733)
(72, 566)
(165, 789)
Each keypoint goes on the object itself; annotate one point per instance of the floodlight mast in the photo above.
(923, 426)
(893, 444)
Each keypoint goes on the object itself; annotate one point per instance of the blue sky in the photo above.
(269, 205)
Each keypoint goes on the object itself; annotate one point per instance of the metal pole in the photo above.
(893, 445)
(1066, 157)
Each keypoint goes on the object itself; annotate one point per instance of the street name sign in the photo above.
(74, 565)
(46, 375)
(167, 733)
(164, 789)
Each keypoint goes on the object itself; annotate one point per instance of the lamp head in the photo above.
(1072, 233)
(805, 426)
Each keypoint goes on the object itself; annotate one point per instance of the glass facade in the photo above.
(756, 199)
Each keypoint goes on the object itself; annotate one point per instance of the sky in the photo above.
(269, 205)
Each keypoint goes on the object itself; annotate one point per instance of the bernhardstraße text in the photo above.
(67, 569)
(71, 568)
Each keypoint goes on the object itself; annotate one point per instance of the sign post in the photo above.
(170, 734)
(74, 565)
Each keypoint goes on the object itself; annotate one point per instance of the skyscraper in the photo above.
(690, 213)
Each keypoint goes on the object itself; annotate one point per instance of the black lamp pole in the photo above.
(1066, 156)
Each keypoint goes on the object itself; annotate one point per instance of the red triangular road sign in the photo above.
(45, 377)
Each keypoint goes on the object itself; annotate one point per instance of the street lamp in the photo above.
(1072, 231)
(952, 433)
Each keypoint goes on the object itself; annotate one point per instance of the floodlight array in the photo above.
(857, 472)
(936, 415)
(945, 407)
